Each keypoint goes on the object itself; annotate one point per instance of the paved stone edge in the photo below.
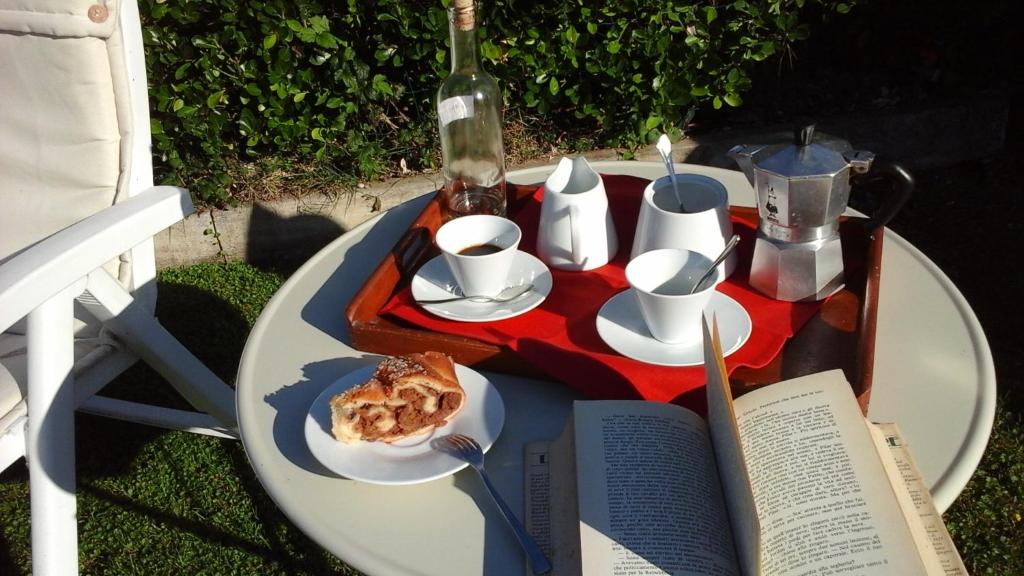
(293, 229)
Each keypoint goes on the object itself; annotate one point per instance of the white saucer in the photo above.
(411, 460)
(621, 326)
(434, 281)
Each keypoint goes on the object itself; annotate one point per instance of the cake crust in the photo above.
(407, 395)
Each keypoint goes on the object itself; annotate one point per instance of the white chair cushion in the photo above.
(61, 18)
(59, 140)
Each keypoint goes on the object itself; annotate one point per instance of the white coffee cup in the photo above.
(662, 280)
(479, 250)
(702, 224)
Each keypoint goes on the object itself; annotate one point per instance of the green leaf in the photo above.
(490, 51)
(553, 86)
(248, 120)
(652, 122)
(269, 41)
(319, 24)
(733, 100)
(381, 85)
(614, 47)
(178, 105)
(180, 71)
(203, 43)
(213, 99)
(299, 97)
(716, 103)
(592, 27)
(710, 14)
(571, 34)
(326, 40)
(843, 8)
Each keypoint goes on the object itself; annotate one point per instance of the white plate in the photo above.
(622, 327)
(434, 281)
(411, 460)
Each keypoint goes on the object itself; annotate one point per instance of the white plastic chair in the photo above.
(78, 212)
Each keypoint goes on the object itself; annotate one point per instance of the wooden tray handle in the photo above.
(411, 251)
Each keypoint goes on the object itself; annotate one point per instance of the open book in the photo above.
(786, 480)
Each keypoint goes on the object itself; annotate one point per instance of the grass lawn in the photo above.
(158, 502)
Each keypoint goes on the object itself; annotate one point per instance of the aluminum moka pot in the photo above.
(802, 188)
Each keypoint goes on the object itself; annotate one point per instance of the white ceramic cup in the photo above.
(479, 250)
(701, 225)
(661, 280)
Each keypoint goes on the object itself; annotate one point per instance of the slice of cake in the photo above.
(406, 395)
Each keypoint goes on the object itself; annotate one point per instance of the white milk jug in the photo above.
(576, 230)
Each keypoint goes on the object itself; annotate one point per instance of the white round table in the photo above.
(933, 376)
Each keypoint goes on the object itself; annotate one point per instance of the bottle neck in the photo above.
(462, 25)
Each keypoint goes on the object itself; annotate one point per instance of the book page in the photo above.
(824, 501)
(550, 504)
(938, 551)
(725, 438)
(649, 497)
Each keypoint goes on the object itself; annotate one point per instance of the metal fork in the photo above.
(468, 450)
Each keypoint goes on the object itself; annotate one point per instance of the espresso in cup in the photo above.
(479, 250)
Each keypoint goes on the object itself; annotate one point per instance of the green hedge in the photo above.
(351, 83)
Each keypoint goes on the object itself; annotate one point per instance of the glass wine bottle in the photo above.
(469, 111)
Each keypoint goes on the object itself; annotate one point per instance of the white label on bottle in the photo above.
(454, 108)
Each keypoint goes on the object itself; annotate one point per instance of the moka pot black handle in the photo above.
(892, 182)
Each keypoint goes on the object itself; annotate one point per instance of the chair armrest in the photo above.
(35, 274)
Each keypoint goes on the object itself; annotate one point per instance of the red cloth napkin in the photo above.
(560, 336)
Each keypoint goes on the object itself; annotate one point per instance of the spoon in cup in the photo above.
(729, 247)
(665, 149)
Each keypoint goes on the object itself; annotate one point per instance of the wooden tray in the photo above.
(840, 335)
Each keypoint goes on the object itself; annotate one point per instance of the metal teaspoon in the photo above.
(714, 265)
